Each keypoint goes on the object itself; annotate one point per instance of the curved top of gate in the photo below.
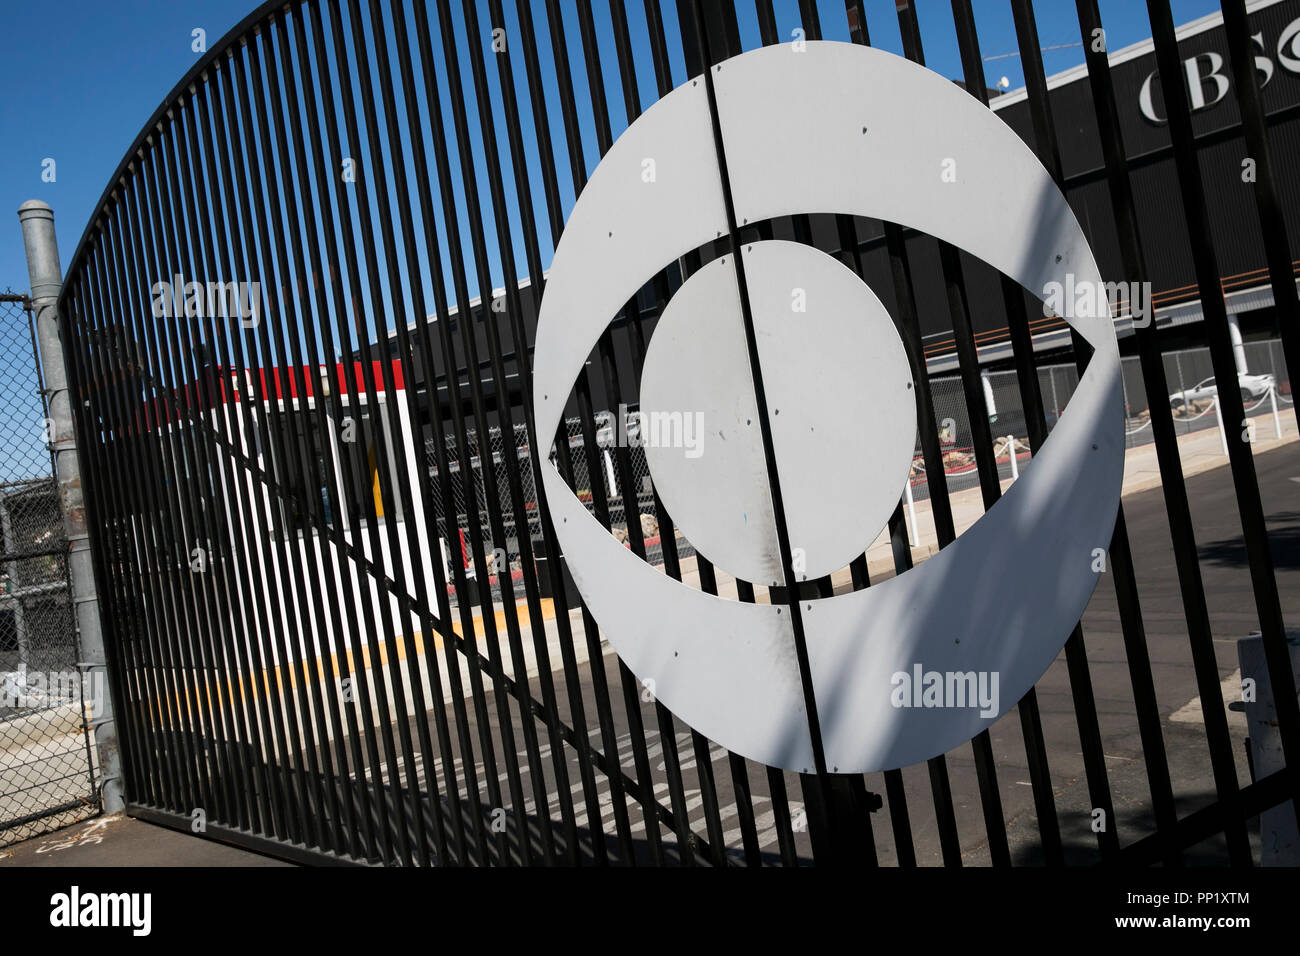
(250, 25)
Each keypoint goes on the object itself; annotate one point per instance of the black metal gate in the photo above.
(302, 304)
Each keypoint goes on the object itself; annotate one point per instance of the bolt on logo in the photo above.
(653, 429)
(836, 366)
(74, 909)
(923, 688)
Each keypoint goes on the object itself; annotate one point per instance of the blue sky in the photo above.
(92, 72)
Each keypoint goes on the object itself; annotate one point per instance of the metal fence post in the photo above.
(46, 282)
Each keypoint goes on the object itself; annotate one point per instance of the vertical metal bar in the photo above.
(722, 25)
(1277, 245)
(180, 353)
(728, 36)
(990, 487)
(622, 456)
(482, 434)
(430, 227)
(297, 371)
(412, 829)
(852, 816)
(1164, 431)
(745, 591)
(537, 284)
(242, 427)
(908, 326)
(264, 190)
(135, 720)
(600, 498)
(524, 201)
(98, 518)
(506, 257)
(212, 398)
(389, 485)
(179, 459)
(169, 362)
(478, 503)
(333, 266)
(299, 383)
(394, 481)
(778, 504)
(505, 416)
(175, 608)
(708, 582)
(134, 423)
(455, 401)
(104, 511)
(1027, 376)
(1215, 317)
(550, 184)
(319, 289)
(739, 773)
(1121, 564)
(346, 830)
(346, 528)
(262, 422)
(165, 787)
(179, 412)
(171, 644)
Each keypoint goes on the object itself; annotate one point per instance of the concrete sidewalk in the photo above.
(118, 840)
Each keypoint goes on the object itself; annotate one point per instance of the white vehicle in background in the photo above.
(1253, 388)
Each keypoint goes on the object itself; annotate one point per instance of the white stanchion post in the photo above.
(1223, 436)
(613, 479)
(1277, 422)
(1011, 450)
(911, 512)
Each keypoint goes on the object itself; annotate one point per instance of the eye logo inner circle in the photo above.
(842, 411)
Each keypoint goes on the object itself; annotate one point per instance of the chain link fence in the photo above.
(46, 768)
(1188, 373)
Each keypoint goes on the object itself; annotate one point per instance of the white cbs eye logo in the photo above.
(814, 133)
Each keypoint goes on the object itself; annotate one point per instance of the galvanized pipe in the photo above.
(43, 270)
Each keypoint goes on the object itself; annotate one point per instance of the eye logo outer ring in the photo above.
(810, 132)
